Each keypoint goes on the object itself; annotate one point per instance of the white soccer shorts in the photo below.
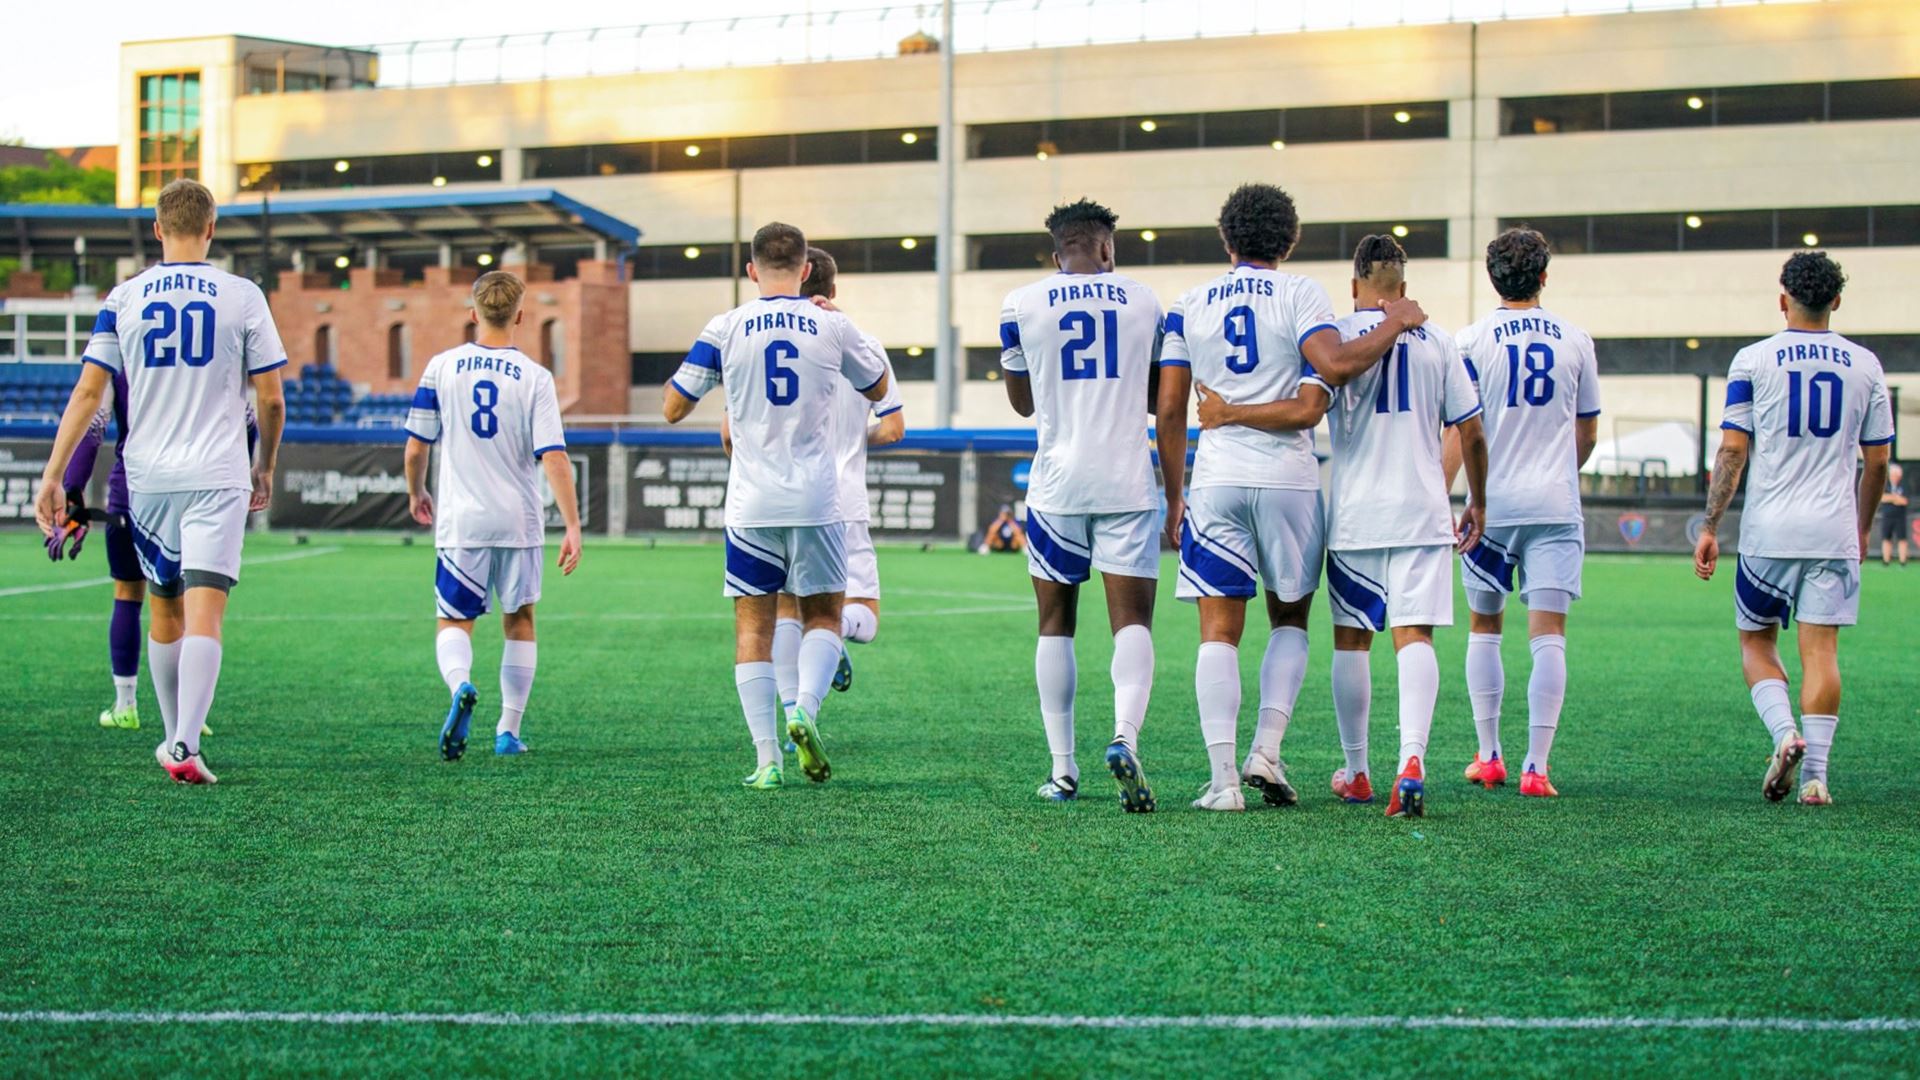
(863, 566)
(1233, 534)
(176, 531)
(805, 560)
(1770, 592)
(1067, 547)
(1543, 557)
(1378, 588)
(466, 576)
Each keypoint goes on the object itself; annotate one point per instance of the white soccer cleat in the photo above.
(187, 768)
(1814, 793)
(1782, 767)
(1227, 799)
(1060, 789)
(1269, 777)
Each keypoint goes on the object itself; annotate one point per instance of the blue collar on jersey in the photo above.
(186, 264)
(1798, 330)
(783, 298)
(1253, 266)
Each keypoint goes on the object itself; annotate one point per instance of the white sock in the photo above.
(163, 663)
(1132, 671)
(453, 647)
(858, 622)
(1282, 670)
(1419, 689)
(1216, 684)
(517, 661)
(126, 690)
(1486, 685)
(1352, 697)
(819, 659)
(1546, 691)
(760, 701)
(1770, 700)
(1054, 671)
(1819, 734)
(199, 675)
(786, 659)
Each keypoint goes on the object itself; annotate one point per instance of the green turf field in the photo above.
(341, 867)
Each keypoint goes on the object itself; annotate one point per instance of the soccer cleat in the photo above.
(1782, 767)
(843, 675)
(1136, 795)
(1489, 773)
(1060, 789)
(1352, 787)
(187, 768)
(1534, 783)
(1814, 793)
(806, 743)
(506, 742)
(1269, 778)
(1224, 799)
(124, 719)
(764, 778)
(453, 733)
(1409, 798)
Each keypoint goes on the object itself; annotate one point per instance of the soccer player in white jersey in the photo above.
(1390, 535)
(1802, 405)
(494, 413)
(1541, 390)
(189, 337)
(860, 615)
(1253, 334)
(779, 359)
(1078, 348)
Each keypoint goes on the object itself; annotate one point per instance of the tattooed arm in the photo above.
(1727, 467)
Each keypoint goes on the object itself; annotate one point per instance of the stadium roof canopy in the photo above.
(324, 226)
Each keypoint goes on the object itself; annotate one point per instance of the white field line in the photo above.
(1001, 597)
(558, 616)
(1864, 1025)
(88, 583)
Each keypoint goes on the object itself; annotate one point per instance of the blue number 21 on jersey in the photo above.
(176, 334)
(1075, 366)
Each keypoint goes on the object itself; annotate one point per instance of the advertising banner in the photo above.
(673, 489)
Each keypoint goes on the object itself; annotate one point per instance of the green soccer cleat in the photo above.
(123, 719)
(806, 743)
(764, 778)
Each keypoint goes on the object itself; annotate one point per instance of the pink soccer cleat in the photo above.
(1352, 787)
(187, 768)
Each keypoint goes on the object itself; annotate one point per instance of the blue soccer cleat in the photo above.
(508, 743)
(1136, 795)
(1060, 789)
(843, 675)
(453, 733)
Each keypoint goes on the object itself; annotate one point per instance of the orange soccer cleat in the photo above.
(1488, 773)
(1352, 787)
(1535, 783)
(1409, 798)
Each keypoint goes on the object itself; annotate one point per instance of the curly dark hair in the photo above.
(1813, 280)
(825, 270)
(1258, 221)
(1080, 224)
(1515, 261)
(1378, 252)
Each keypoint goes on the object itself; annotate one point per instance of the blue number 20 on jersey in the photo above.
(183, 333)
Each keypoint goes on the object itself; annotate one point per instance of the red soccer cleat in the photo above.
(1535, 784)
(187, 768)
(1409, 798)
(1488, 773)
(1352, 787)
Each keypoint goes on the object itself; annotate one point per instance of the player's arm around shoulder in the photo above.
(890, 416)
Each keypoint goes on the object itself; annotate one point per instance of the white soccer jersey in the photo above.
(1536, 374)
(1389, 489)
(1241, 333)
(850, 412)
(493, 412)
(1810, 399)
(781, 361)
(1085, 342)
(187, 336)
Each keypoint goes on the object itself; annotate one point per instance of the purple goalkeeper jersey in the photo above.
(80, 467)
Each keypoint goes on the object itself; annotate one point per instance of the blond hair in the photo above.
(496, 296)
(185, 208)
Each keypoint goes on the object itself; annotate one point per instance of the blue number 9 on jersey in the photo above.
(1242, 337)
(783, 383)
(484, 421)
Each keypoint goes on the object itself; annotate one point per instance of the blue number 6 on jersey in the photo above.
(783, 383)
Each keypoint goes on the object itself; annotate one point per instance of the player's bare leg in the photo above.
(1057, 677)
(453, 649)
(1216, 688)
(819, 656)
(753, 618)
(1767, 684)
(1419, 690)
(1130, 614)
(203, 609)
(1352, 706)
(1486, 688)
(1819, 707)
(1282, 669)
(1546, 687)
(519, 655)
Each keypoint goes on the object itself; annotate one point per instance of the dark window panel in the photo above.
(655, 368)
(1565, 235)
(1336, 123)
(1732, 230)
(1099, 136)
(1896, 226)
(549, 161)
(760, 152)
(565, 260)
(890, 255)
(1834, 226)
(663, 261)
(689, 155)
(1796, 103)
(1422, 120)
(1005, 140)
(1875, 99)
(912, 364)
(1558, 115)
(893, 144)
(1258, 127)
(983, 362)
(618, 159)
(1010, 251)
(1635, 232)
(830, 148)
(1180, 132)
(1320, 242)
(1660, 109)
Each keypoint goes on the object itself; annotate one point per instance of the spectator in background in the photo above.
(1004, 534)
(1893, 518)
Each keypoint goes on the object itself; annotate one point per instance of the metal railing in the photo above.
(866, 33)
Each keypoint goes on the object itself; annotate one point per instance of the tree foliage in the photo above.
(58, 181)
